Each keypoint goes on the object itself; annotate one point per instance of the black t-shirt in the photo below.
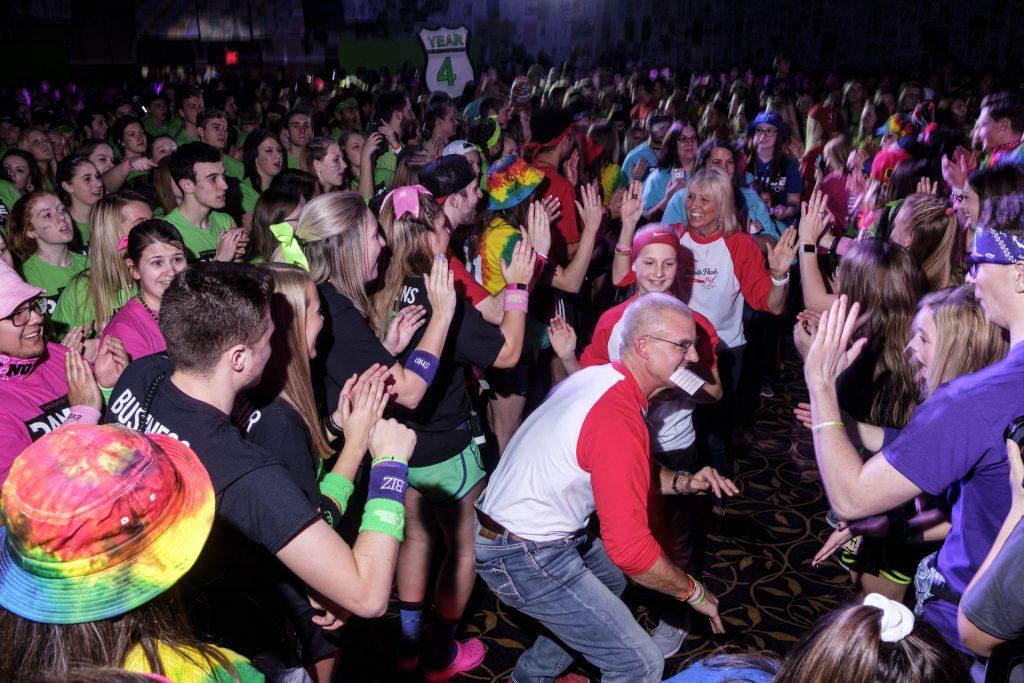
(445, 407)
(346, 346)
(277, 428)
(857, 387)
(254, 491)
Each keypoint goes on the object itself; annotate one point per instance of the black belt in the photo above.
(491, 530)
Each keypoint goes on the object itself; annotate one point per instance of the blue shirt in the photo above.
(700, 672)
(641, 151)
(655, 186)
(788, 182)
(954, 444)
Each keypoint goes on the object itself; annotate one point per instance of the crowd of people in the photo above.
(276, 353)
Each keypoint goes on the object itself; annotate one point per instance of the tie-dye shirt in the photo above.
(188, 666)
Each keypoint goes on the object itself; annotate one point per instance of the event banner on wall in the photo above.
(448, 67)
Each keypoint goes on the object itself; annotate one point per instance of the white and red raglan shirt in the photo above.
(716, 275)
(584, 450)
(671, 413)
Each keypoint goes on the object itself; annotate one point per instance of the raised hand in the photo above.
(552, 207)
(638, 169)
(927, 186)
(360, 405)
(111, 361)
(538, 228)
(440, 286)
(831, 352)
(403, 327)
(804, 330)
(390, 437)
(562, 337)
(591, 210)
(82, 388)
(781, 255)
(814, 218)
(519, 270)
(632, 204)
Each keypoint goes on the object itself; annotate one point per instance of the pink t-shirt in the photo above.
(136, 329)
(33, 406)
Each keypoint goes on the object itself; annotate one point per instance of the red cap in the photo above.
(654, 234)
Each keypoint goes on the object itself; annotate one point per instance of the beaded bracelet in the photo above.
(625, 251)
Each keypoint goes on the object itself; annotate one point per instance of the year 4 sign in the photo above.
(448, 67)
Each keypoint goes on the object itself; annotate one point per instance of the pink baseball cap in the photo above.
(13, 290)
(654, 234)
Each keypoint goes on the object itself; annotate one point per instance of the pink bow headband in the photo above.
(406, 199)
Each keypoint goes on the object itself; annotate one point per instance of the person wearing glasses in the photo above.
(954, 443)
(677, 160)
(774, 169)
(586, 450)
(40, 388)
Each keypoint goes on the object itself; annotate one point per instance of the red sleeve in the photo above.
(613, 447)
(596, 352)
(754, 277)
(465, 284)
(707, 343)
(568, 224)
(630, 279)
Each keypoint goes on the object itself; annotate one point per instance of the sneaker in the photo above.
(767, 389)
(669, 638)
(468, 656)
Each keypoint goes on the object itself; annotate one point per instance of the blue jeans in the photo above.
(572, 588)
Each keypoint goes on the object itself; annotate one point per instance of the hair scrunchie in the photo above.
(291, 246)
(897, 619)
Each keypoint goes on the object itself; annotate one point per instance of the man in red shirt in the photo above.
(586, 451)
(551, 145)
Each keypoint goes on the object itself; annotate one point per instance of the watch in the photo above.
(516, 285)
(809, 249)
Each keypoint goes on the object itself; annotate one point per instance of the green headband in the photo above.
(291, 246)
(347, 103)
(496, 135)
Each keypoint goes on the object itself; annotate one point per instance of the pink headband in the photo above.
(406, 200)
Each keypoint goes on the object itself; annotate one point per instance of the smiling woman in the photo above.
(79, 186)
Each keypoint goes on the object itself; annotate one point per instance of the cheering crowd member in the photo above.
(532, 521)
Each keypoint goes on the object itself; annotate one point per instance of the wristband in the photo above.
(689, 593)
(516, 300)
(388, 458)
(337, 488)
(516, 286)
(385, 517)
(388, 482)
(84, 414)
(332, 427)
(781, 283)
(675, 481)
(423, 364)
(822, 425)
(698, 594)
(625, 251)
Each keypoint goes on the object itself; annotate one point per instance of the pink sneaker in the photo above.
(468, 656)
(572, 678)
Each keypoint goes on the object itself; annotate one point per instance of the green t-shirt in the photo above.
(75, 305)
(233, 167)
(183, 137)
(82, 228)
(200, 245)
(52, 279)
(250, 195)
(9, 196)
(153, 128)
(292, 161)
(384, 171)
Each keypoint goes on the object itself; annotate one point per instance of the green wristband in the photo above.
(388, 458)
(384, 516)
(337, 488)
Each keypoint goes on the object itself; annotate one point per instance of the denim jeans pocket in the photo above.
(497, 578)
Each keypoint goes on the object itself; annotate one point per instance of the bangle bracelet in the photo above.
(822, 425)
(624, 251)
(781, 283)
(332, 427)
(675, 481)
(691, 591)
(387, 458)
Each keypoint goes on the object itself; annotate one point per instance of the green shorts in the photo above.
(451, 480)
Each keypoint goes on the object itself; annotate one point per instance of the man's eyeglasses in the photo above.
(684, 345)
(767, 131)
(23, 313)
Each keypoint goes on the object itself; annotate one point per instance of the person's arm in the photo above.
(492, 308)
(855, 489)
(563, 342)
(570, 278)
(975, 638)
(763, 288)
(116, 176)
(812, 225)
(519, 271)
(357, 578)
(372, 144)
(622, 262)
(862, 434)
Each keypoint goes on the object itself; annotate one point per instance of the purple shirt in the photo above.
(954, 444)
(136, 329)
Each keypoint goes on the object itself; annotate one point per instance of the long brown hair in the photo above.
(287, 375)
(31, 650)
(935, 246)
(847, 646)
(271, 208)
(331, 230)
(163, 185)
(882, 276)
(966, 341)
(409, 242)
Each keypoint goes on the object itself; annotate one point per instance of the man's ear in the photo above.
(1018, 277)
(238, 355)
(640, 347)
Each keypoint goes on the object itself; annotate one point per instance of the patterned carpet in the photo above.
(758, 560)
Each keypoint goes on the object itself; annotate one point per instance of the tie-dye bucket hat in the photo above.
(99, 520)
(511, 181)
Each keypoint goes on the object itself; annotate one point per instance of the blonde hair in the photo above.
(163, 185)
(409, 241)
(331, 233)
(966, 341)
(935, 245)
(108, 272)
(50, 174)
(288, 374)
(715, 181)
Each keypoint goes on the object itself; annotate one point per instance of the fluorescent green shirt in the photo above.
(384, 171)
(233, 167)
(200, 244)
(250, 195)
(52, 279)
(75, 307)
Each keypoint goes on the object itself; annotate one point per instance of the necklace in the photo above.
(142, 300)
